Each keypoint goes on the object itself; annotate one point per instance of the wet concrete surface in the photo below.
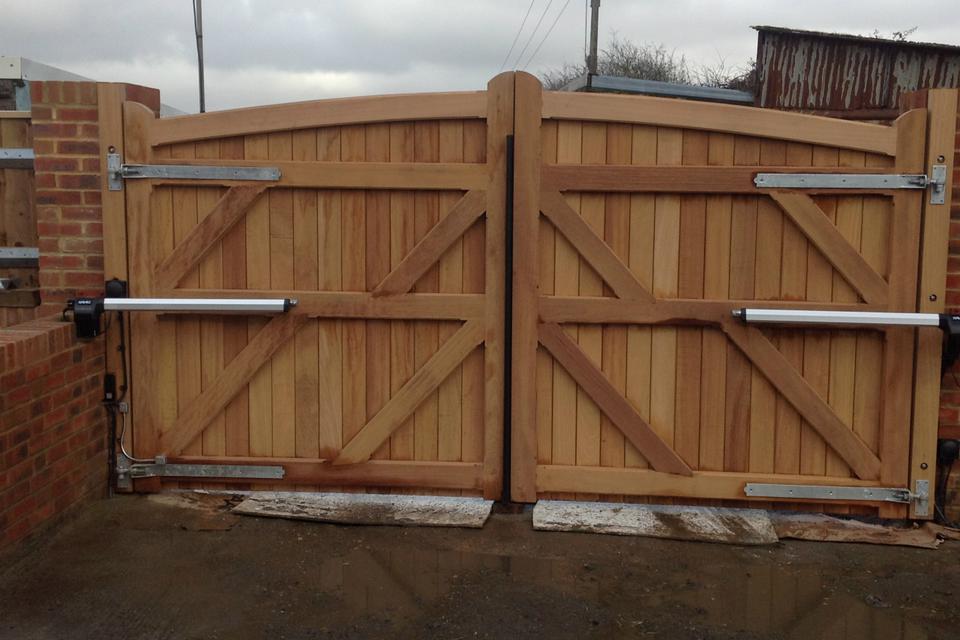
(134, 567)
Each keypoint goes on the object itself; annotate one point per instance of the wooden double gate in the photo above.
(636, 229)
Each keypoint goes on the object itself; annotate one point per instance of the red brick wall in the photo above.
(67, 172)
(53, 429)
(950, 388)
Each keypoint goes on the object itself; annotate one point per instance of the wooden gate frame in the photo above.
(134, 129)
(535, 318)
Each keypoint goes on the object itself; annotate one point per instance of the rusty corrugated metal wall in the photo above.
(847, 76)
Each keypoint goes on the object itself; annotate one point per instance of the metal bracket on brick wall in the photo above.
(118, 172)
(128, 470)
(919, 498)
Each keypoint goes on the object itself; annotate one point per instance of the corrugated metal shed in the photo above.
(844, 75)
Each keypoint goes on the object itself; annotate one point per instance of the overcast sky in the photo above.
(267, 51)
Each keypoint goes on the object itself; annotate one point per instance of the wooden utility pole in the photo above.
(594, 24)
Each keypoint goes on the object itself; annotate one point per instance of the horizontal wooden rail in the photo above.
(681, 179)
(595, 310)
(350, 175)
(15, 115)
(319, 113)
(394, 473)
(333, 304)
(646, 482)
(750, 121)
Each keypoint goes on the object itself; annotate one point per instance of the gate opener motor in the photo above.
(87, 311)
(948, 323)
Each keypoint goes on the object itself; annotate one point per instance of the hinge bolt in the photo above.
(923, 465)
(933, 297)
(940, 158)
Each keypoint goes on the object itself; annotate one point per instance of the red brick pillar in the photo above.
(67, 170)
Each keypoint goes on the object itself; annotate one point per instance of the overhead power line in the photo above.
(532, 34)
(517, 37)
(547, 34)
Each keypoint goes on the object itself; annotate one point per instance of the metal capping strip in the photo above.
(16, 158)
(841, 181)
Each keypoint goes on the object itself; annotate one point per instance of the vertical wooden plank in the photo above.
(666, 265)
(743, 243)
(617, 235)
(353, 260)
(283, 381)
(843, 345)
(716, 286)
(641, 263)
(148, 360)
(693, 228)
(474, 281)
(426, 142)
(329, 332)
(566, 283)
(211, 329)
(593, 151)
(306, 274)
(942, 107)
(449, 394)
(793, 286)
(188, 348)
(402, 240)
(377, 141)
(234, 260)
(258, 247)
(546, 254)
(816, 350)
(763, 398)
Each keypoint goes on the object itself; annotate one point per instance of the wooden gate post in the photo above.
(500, 108)
(526, 231)
(941, 132)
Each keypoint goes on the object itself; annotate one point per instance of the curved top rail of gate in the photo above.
(319, 113)
(709, 116)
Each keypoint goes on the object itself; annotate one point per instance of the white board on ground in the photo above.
(705, 524)
(369, 508)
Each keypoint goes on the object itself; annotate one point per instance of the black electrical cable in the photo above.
(940, 499)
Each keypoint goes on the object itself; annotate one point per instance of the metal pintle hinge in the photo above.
(128, 470)
(936, 181)
(118, 172)
(919, 498)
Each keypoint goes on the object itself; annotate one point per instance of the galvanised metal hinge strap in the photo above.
(871, 181)
(118, 172)
(920, 497)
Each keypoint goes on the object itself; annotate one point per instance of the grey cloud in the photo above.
(260, 51)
